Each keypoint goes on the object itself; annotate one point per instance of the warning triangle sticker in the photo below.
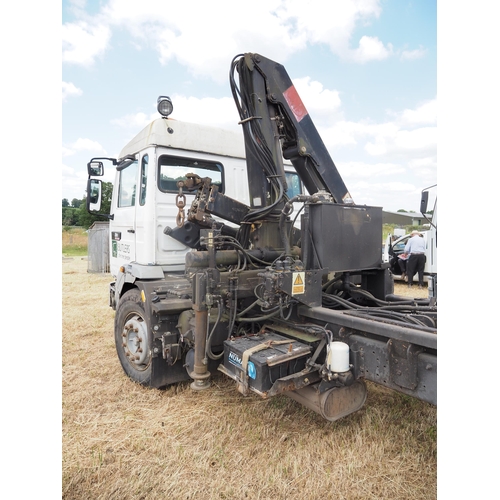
(298, 280)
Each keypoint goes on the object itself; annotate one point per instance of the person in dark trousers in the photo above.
(415, 248)
(402, 262)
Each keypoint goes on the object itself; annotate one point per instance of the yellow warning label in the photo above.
(298, 283)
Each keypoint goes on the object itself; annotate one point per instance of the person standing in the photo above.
(415, 248)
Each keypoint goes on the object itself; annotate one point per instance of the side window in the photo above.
(144, 179)
(400, 247)
(293, 183)
(128, 185)
(173, 169)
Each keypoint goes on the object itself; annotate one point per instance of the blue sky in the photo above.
(366, 71)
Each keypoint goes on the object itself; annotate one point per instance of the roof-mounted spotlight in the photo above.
(164, 106)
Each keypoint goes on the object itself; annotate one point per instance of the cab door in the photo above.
(123, 224)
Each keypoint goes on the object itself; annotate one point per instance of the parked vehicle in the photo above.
(393, 248)
(213, 272)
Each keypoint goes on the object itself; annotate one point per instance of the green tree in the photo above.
(85, 219)
(69, 216)
(75, 203)
(65, 202)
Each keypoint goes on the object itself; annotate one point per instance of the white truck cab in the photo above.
(146, 199)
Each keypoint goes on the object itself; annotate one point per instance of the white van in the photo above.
(397, 247)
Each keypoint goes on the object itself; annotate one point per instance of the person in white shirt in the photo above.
(415, 248)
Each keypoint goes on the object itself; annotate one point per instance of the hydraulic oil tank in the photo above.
(342, 237)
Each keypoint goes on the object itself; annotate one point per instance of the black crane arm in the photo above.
(276, 125)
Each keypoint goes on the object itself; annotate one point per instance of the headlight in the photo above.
(164, 106)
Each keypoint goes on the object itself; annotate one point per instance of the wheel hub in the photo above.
(135, 341)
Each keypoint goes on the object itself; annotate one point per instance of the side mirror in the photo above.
(424, 201)
(95, 168)
(94, 195)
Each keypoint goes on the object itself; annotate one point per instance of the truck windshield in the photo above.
(173, 169)
(293, 183)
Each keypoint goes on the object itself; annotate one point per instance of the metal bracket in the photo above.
(403, 363)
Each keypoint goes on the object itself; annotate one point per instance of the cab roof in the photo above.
(187, 136)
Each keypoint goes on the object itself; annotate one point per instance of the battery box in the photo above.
(267, 357)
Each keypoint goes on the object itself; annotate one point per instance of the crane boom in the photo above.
(276, 124)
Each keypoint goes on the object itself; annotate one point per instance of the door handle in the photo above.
(130, 230)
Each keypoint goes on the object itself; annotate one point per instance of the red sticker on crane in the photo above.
(295, 102)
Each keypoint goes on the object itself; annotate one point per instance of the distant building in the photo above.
(404, 218)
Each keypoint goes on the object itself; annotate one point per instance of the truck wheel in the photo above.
(132, 337)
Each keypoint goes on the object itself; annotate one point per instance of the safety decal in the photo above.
(295, 102)
(299, 283)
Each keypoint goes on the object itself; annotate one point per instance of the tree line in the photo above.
(75, 213)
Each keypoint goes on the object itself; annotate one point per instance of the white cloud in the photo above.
(412, 133)
(333, 26)
(403, 139)
(74, 182)
(371, 49)
(69, 89)
(402, 195)
(409, 55)
(276, 28)
(420, 142)
(425, 114)
(206, 111)
(323, 105)
(135, 121)
(320, 103)
(83, 42)
(67, 151)
(82, 144)
(361, 170)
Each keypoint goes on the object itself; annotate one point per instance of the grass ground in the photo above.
(74, 242)
(122, 441)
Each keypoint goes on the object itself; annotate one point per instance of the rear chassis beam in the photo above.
(400, 358)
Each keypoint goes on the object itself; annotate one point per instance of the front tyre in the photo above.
(132, 337)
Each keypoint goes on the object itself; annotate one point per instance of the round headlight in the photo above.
(164, 106)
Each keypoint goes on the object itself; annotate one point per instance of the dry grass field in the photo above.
(74, 241)
(122, 441)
